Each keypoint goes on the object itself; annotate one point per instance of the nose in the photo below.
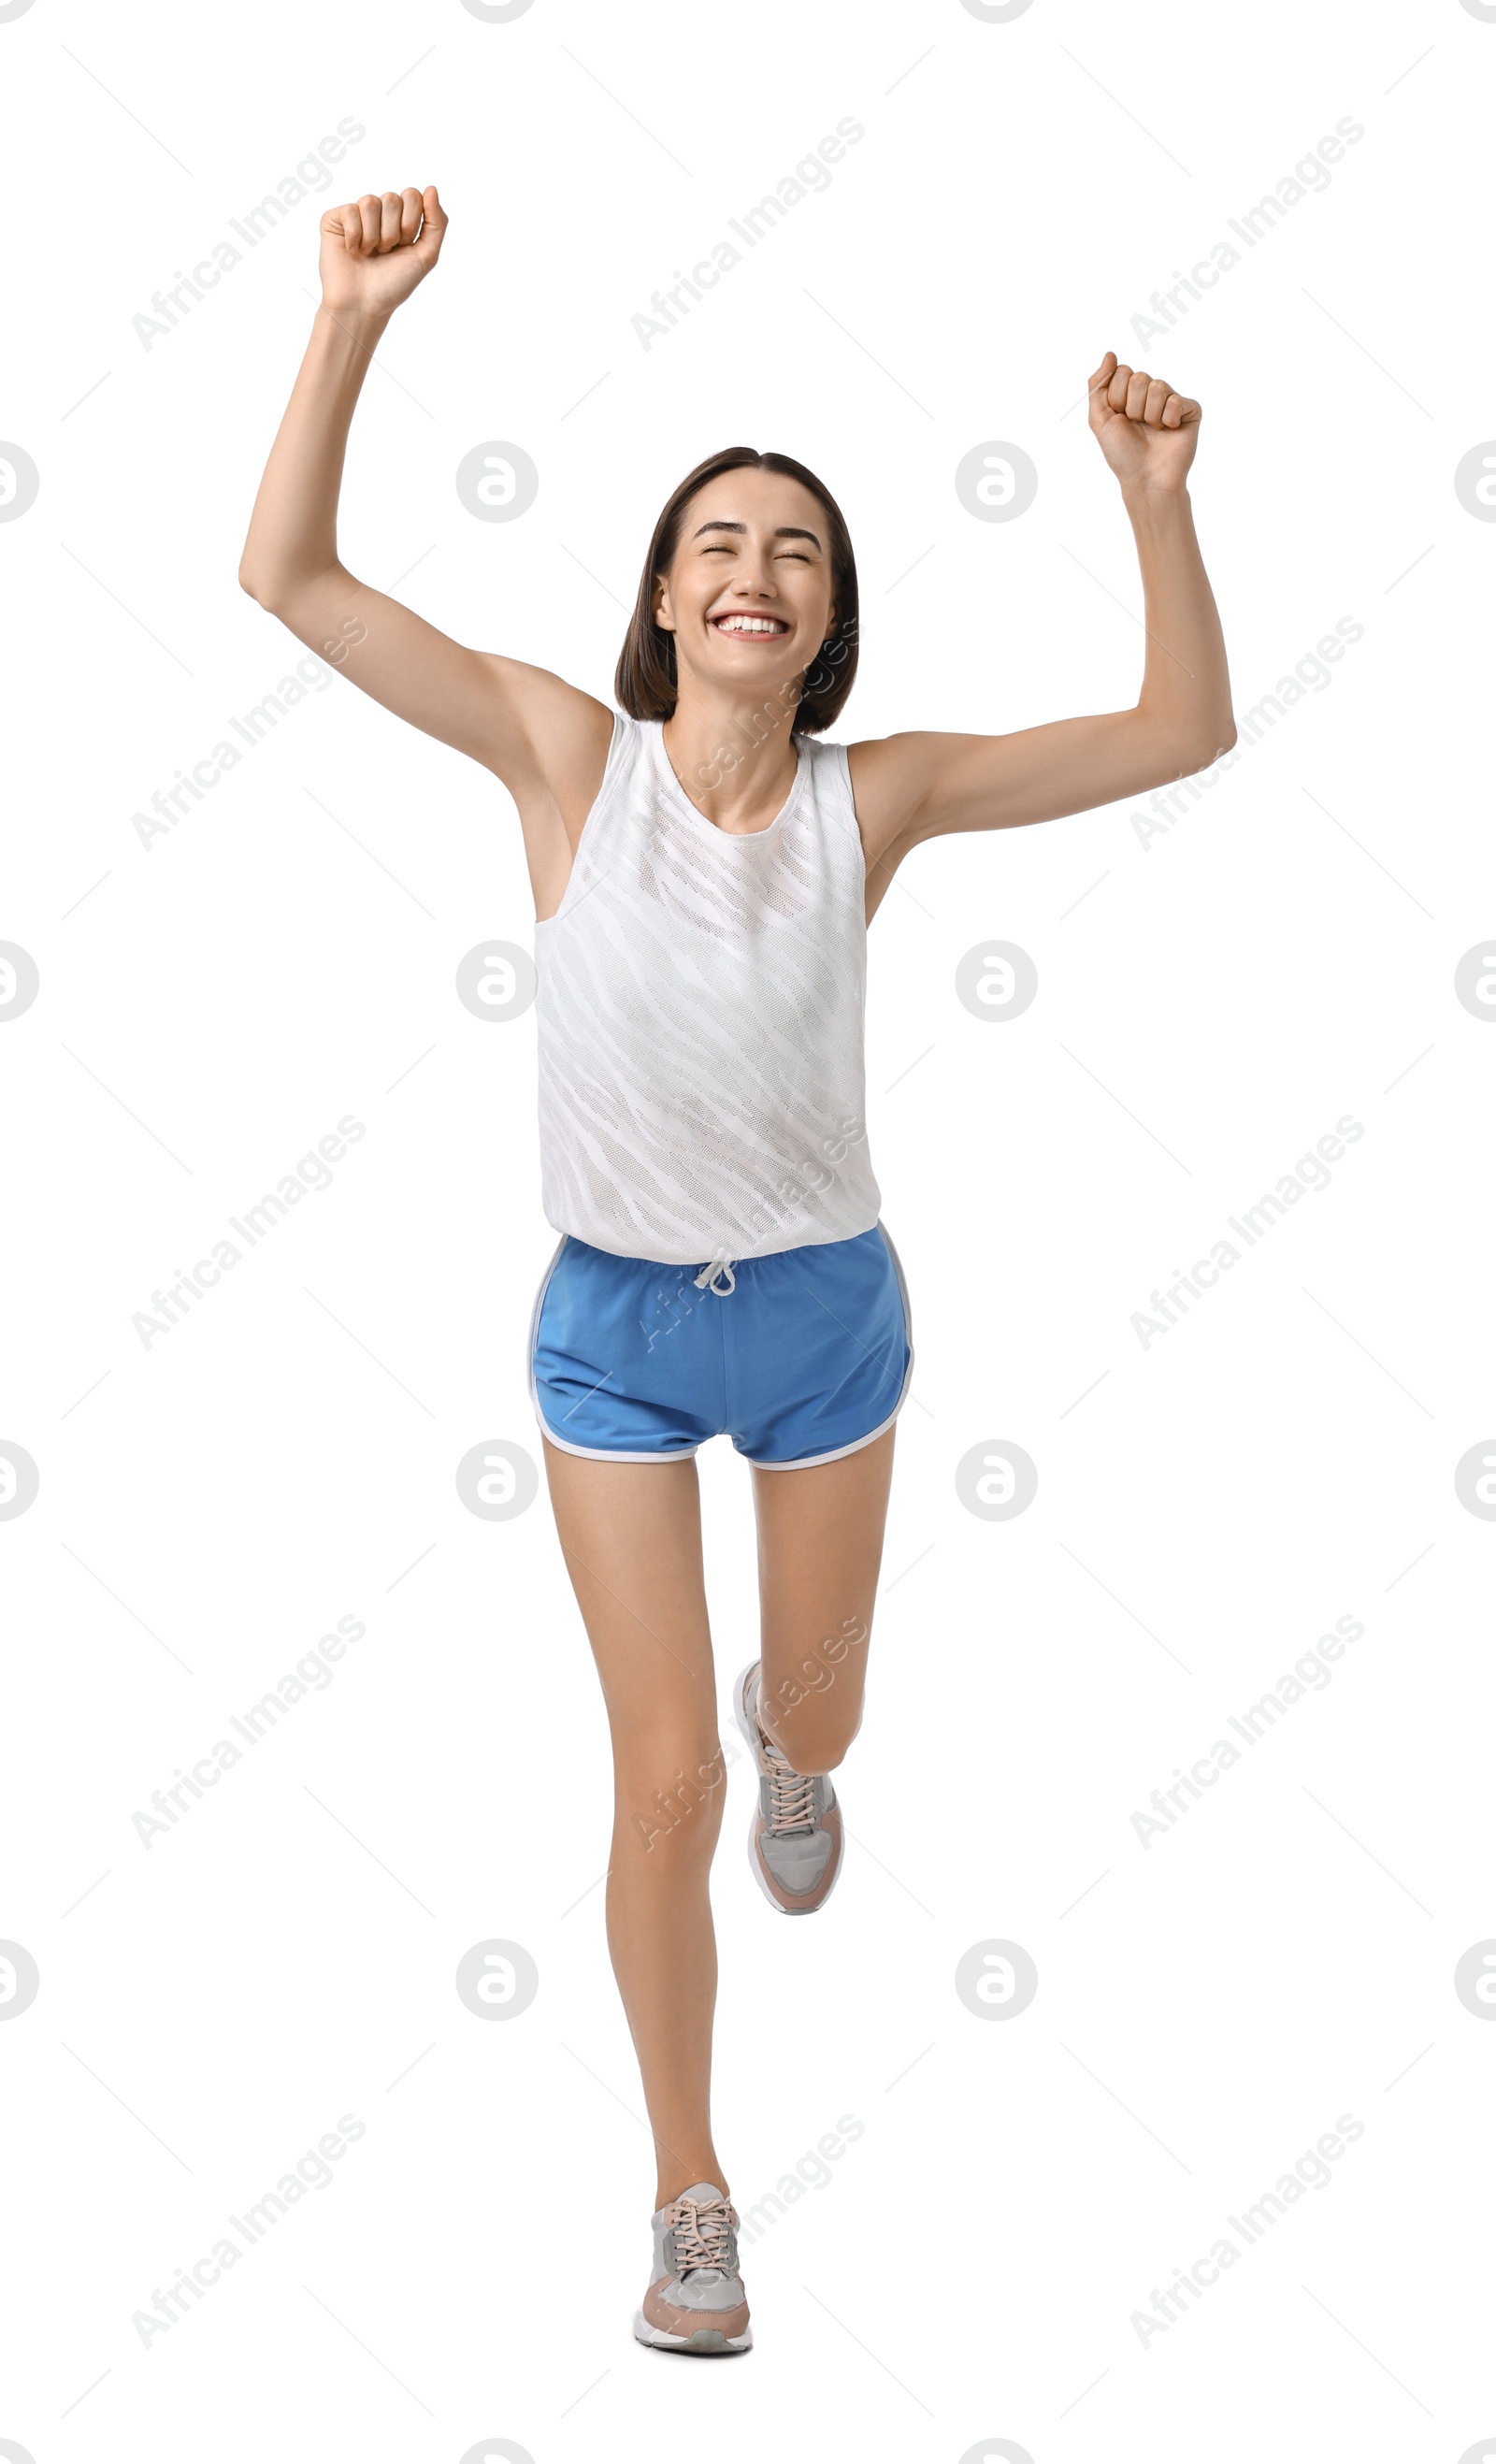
(756, 577)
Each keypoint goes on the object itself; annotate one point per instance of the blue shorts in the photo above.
(799, 1358)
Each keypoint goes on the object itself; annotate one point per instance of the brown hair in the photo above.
(646, 680)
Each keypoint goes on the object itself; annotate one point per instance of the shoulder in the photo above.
(568, 735)
(825, 770)
(569, 775)
(888, 774)
(578, 749)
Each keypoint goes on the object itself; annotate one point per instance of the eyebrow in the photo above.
(785, 531)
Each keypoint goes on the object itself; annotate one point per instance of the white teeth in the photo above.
(748, 625)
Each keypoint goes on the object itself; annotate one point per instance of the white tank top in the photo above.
(699, 1003)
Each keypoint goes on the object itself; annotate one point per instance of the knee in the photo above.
(813, 1711)
(672, 1802)
(813, 1733)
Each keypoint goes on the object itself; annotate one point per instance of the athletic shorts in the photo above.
(798, 1357)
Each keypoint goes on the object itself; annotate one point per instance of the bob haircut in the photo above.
(646, 680)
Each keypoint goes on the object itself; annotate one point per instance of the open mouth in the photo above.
(742, 628)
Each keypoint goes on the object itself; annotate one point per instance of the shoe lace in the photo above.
(703, 2233)
(792, 1794)
(792, 1797)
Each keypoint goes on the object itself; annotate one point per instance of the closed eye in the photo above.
(725, 547)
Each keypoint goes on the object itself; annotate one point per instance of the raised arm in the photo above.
(547, 740)
(919, 785)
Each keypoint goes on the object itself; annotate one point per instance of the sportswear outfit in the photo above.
(700, 1002)
(721, 1266)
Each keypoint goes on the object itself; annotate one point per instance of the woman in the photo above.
(704, 870)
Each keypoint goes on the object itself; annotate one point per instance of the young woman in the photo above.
(704, 870)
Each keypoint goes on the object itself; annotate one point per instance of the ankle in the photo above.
(670, 2185)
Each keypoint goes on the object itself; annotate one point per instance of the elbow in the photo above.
(1198, 750)
(258, 586)
(1178, 748)
(1216, 734)
(287, 589)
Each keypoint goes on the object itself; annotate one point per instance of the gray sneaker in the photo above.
(695, 2303)
(795, 1840)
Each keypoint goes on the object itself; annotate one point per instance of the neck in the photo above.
(736, 763)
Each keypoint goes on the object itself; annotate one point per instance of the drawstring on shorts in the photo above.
(707, 1280)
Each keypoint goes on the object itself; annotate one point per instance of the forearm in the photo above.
(292, 534)
(1186, 689)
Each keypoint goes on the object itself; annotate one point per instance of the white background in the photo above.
(210, 1007)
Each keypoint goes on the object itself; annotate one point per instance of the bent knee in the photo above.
(812, 1737)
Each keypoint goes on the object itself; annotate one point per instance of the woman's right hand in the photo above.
(376, 250)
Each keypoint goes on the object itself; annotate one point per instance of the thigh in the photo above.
(630, 1534)
(820, 1549)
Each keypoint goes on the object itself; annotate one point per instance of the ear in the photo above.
(660, 607)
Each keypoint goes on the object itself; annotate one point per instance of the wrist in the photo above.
(1155, 505)
(355, 322)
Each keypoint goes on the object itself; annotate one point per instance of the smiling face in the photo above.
(749, 592)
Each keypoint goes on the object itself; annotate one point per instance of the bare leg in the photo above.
(820, 1549)
(631, 1537)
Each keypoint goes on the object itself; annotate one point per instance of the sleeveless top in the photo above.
(699, 1007)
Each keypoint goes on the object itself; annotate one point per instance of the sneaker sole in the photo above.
(706, 2340)
(746, 1726)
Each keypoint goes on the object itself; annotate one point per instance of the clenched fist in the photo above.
(374, 252)
(1147, 432)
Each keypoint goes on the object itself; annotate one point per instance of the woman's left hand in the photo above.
(1146, 431)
